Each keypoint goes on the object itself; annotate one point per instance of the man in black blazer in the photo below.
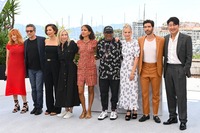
(34, 61)
(177, 63)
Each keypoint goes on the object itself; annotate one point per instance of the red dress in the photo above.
(87, 72)
(15, 84)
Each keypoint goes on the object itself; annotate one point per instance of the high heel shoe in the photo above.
(16, 107)
(134, 115)
(25, 108)
(128, 115)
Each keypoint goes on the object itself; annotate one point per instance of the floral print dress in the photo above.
(128, 98)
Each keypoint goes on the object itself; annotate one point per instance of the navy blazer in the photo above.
(41, 51)
(184, 52)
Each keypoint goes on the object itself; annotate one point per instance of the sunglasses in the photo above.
(29, 31)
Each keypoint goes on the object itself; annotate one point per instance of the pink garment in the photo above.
(87, 72)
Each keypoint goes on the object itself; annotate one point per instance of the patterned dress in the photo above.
(87, 72)
(128, 89)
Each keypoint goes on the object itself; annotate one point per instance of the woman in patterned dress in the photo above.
(128, 74)
(87, 73)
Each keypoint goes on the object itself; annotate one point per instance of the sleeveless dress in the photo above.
(15, 84)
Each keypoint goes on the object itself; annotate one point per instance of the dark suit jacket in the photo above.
(184, 52)
(159, 53)
(41, 51)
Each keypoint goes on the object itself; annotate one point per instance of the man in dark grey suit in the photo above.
(177, 63)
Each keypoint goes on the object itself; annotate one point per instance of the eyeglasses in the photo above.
(29, 31)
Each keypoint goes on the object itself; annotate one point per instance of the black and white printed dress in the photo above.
(128, 98)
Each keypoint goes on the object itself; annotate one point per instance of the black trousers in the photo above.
(51, 84)
(175, 84)
(104, 85)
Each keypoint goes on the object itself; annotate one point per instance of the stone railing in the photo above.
(195, 68)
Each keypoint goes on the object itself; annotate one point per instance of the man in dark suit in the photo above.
(177, 63)
(34, 61)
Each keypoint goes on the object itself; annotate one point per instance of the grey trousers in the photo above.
(175, 84)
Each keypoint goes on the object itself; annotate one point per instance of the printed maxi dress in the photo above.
(128, 96)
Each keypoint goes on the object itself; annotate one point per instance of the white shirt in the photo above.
(150, 51)
(172, 50)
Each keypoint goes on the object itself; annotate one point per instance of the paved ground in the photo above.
(23, 123)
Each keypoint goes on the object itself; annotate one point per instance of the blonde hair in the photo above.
(60, 33)
(18, 36)
(127, 26)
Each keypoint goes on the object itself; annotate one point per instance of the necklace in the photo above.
(86, 41)
(107, 49)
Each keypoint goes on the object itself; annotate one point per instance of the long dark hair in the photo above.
(89, 28)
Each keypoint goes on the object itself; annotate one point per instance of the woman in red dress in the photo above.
(15, 70)
(87, 73)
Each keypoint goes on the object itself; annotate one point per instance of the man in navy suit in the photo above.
(177, 63)
(34, 61)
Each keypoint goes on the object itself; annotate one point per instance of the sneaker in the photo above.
(113, 115)
(68, 115)
(144, 118)
(62, 114)
(103, 115)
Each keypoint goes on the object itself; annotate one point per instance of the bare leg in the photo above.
(91, 98)
(82, 99)
(70, 109)
(15, 97)
(24, 99)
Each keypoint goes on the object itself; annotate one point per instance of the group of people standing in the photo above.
(51, 60)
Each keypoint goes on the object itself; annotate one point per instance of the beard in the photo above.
(149, 32)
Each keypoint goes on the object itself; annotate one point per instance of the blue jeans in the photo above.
(36, 80)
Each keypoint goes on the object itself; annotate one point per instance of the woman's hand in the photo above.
(6, 72)
(132, 76)
(116, 39)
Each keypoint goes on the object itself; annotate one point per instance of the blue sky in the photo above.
(97, 12)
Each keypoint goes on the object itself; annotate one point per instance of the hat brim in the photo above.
(108, 32)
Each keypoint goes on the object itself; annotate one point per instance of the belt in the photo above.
(174, 64)
(50, 59)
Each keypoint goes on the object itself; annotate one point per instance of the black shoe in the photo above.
(25, 108)
(156, 119)
(38, 112)
(170, 121)
(182, 126)
(134, 115)
(128, 117)
(33, 111)
(144, 118)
